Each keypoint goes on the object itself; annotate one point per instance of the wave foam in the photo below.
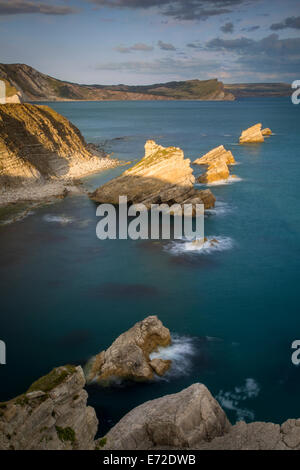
(230, 180)
(231, 400)
(221, 209)
(211, 245)
(58, 219)
(180, 352)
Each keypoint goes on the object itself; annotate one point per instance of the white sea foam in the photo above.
(211, 245)
(58, 219)
(220, 209)
(231, 400)
(230, 180)
(180, 352)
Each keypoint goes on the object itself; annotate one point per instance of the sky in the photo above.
(154, 41)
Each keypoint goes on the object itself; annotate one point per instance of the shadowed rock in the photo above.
(128, 356)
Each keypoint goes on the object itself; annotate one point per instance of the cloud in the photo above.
(270, 54)
(139, 46)
(250, 29)
(227, 28)
(166, 46)
(178, 9)
(17, 7)
(291, 22)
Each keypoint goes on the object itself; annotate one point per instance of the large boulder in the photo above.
(252, 135)
(181, 420)
(129, 355)
(217, 161)
(163, 175)
(266, 131)
(51, 415)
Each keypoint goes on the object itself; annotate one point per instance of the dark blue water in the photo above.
(234, 312)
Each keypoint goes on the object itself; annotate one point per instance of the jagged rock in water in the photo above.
(267, 131)
(163, 175)
(216, 154)
(128, 356)
(181, 420)
(160, 366)
(51, 415)
(216, 171)
(39, 146)
(252, 135)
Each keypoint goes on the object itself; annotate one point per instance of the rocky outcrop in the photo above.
(266, 132)
(51, 415)
(163, 175)
(39, 146)
(129, 355)
(252, 135)
(182, 420)
(217, 161)
(216, 154)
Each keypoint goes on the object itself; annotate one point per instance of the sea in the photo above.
(232, 308)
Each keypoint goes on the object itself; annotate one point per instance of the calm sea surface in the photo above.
(233, 311)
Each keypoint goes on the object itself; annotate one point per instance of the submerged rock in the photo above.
(252, 135)
(163, 175)
(51, 415)
(184, 419)
(128, 356)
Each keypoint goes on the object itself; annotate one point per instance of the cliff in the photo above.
(163, 175)
(40, 149)
(36, 86)
(258, 90)
(51, 415)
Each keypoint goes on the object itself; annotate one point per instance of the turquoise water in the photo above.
(65, 295)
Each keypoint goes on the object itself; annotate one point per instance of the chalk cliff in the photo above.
(40, 149)
(163, 175)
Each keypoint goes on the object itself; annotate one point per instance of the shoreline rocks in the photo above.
(129, 355)
(51, 415)
(163, 175)
(41, 153)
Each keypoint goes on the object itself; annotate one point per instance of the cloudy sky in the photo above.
(148, 41)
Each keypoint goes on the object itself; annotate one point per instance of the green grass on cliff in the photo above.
(53, 379)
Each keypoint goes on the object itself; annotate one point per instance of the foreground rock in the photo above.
(252, 135)
(181, 420)
(51, 415)
(129, 355)
(162, 176)
(217, 161)
(41, 152)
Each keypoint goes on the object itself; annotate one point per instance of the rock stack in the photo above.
(254, 134)
(217, 161)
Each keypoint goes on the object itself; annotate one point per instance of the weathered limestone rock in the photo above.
(182, 420)
(39, 146)
(51, 415)
(252, 135)
(267, 131)
(160, 366)
(215, 172)
(216, 154)
(128, 356)
(163, 175)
